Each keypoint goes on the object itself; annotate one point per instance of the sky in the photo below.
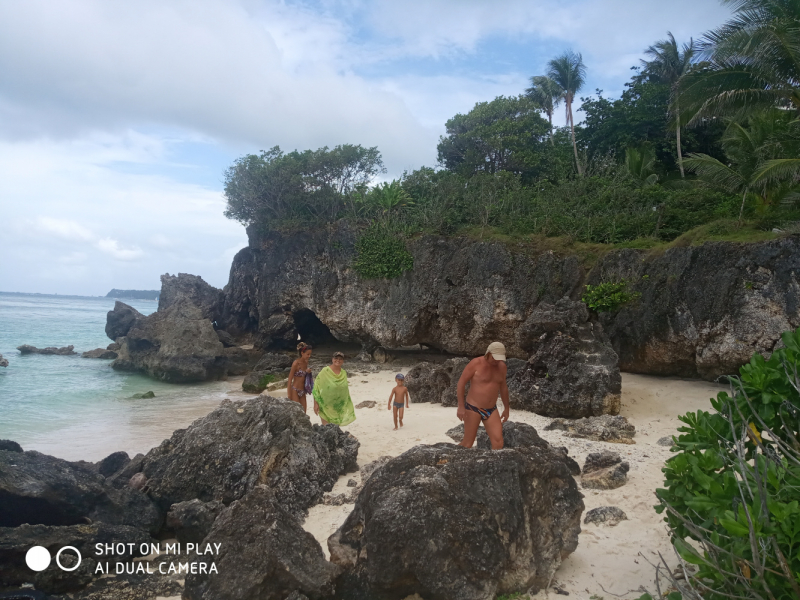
(118, 119)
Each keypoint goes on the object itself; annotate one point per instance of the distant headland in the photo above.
(134, 294)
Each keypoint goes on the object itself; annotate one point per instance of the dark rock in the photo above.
(144, 395)
(265, 555)
(273, 362)
(138, 481)
(704, 310)
(605, 515)
(237, 361)
(226, 338)
(242, 444)
(177, 345)
(65, 351)
(350, 496)
(10, 446)
(120, 320)
(3, 361)
(352, 483)
(99, 353)
(607, 428)
(257, 381)
(192, 520)
(113, 463)
(604, 471)
(136, 586)
(192, 288)
(366, 404)
(484, 523)
(113, 346)
(381, 355)
(39, 489)
(16, 541)
(666, 441)
(122, 477)
(428, 382)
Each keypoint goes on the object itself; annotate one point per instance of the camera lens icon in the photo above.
(38, 558)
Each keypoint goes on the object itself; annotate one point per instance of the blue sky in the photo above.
(117, 120)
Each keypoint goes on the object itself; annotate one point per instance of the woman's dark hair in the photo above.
(302, 347)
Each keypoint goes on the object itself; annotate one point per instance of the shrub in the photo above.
(608, 296)
(381, 253)
(732, 495)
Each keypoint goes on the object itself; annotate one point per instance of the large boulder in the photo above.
(177, 344)
(572, 370)
(436, 383)
(65, 351)
(39, 489)
(191, 287)
(192, 520)
(264, 555)
(16, 541)
(242, 444)
(445, 522)
(120, 320)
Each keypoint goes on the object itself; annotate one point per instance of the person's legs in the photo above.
(494, 427)
(471, 422)
(302, 401)
(394, 414)
(400, 414)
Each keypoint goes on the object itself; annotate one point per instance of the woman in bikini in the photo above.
(296, 387)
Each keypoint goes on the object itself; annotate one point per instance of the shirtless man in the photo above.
(487, 377)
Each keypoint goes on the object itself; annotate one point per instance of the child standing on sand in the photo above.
(400, 394)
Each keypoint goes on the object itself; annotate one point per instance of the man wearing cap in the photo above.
(487, 378)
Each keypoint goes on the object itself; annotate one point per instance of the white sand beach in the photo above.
(607, 560)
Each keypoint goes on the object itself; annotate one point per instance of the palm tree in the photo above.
(569, 72)
(668, 64)
(547, 94)
(750, 63)
(640, 162)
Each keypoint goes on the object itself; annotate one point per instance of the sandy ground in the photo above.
(607, 562)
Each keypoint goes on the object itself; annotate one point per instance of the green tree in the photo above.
(751, 62)
(506, 134)
(668, 63)
(569, 73)
(640, 162)
(547, 95)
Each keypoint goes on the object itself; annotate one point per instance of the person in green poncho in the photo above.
(332, 394)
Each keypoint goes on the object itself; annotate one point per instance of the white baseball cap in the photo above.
(497, 350)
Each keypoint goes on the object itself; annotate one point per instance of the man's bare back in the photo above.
(487, 378)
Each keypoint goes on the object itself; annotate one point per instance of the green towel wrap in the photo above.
(332, 394)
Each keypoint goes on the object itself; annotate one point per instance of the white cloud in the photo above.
(112, 247)
(64, 229)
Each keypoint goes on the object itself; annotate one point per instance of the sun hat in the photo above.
(497, 350)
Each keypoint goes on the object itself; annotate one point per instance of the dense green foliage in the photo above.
(732, 495)
(609, 295)
(381, 254)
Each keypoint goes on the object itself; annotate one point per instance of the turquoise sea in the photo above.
(80, 408)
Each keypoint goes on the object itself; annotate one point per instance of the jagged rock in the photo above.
(113, 346)
(485, 523)
(3, 361)
(605, 515)
(144, 395)
(704, 310)
(39, 489)
(138, 481)
(366, 404)
(364, 356)
(242, 444)
(273, 362)
(177, 345)
(258, 381)
(192, 520)
(226, 338)
(515, 435)
(65, 351)
(607, 428)
(604, 471)
(122, 478)
(352, 483)
(428, 382)
(192, 288)
(137, 586)
(99, 353)
(665, 441)
(112, 463)
(10, 446)
(264, 555)
(120, 320)
(381, 355)
(16, 541)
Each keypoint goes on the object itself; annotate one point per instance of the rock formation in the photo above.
(65, 351)
(99, 353)
(484, 523)
(242, 444)
(192, 520)
(3, 361)
(604, 471)
(607, 428)
(120, 320)
(605, 515)
(429, 382)
(190, 287)
(272, 363)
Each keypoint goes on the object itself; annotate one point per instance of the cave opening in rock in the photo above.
(311, 329)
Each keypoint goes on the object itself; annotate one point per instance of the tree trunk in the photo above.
(550, 117)
(572, 129)
(741, 210)
(678, 138)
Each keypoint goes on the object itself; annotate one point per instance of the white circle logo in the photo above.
(58, 562)
(38, 558)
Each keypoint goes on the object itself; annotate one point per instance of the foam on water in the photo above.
(80, 408)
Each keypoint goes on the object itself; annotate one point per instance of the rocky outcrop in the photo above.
(191, 287)
(436, 383)
(191, 521)
(120, 320)
(264, 555)
(243, 444)
(3, 361)
(10, 446)
(65, 351)
(607, 428)
(270, 368)
(39, 489)
(226, 338)
(604, 471)
(484, 523)
(704, 310)
(100, 353)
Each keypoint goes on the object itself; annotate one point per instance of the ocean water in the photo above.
(80, 408)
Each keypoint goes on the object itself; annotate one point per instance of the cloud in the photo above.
(112, 247)
(64, 229)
